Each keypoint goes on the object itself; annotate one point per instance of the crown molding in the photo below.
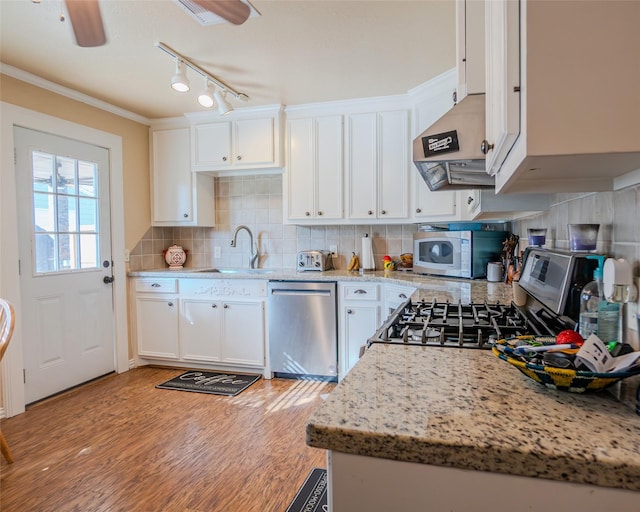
(24, 76)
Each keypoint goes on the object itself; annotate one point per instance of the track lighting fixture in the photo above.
(179, 81)
(223, 105)
(208, 98)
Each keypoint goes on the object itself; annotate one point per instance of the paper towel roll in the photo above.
(366, 258)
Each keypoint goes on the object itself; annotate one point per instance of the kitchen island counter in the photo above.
(467, 409)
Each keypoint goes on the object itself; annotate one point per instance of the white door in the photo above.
(65, 262)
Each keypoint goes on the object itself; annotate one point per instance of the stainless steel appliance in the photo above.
(303, 329)
(456, 253)
(552, 280)
(314, 261)
(449, 154)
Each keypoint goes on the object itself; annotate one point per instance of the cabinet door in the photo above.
(200, 328)
(359, 322)
(300, 169)
(157, 326)
(432, 205)
(393, 165)
(254, 142)
(329, 177)
(211, 146)
(362, 166)
(470, 47)
(503, 80)
(243, 337)
(172, 180)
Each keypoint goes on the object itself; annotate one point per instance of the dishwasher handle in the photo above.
(284, 291)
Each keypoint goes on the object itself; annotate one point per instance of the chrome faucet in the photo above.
(253, 254)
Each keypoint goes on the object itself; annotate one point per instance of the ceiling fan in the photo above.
(88, 28)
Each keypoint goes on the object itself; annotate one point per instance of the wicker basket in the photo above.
(563, 379)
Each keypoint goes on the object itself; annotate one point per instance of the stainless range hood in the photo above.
(448, 154)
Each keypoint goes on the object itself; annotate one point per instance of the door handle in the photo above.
(107, 279)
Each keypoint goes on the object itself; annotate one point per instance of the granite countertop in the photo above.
(468, 409)
(427, 287)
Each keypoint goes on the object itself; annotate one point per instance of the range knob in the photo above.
(316, 263)
(301, 263)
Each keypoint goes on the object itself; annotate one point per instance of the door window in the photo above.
(65, 213)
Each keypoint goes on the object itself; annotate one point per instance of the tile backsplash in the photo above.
(256, 201)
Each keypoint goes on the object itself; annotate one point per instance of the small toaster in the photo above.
(314, 260)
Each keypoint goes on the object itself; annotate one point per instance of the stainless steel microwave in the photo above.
(456, 253)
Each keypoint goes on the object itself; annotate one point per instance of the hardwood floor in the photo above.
(120, 444)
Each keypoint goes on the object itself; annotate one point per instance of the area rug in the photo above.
(216, 383)
(312, 496)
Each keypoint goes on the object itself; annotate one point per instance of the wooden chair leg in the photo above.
(4, 447)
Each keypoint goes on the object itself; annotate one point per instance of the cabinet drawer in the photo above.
(394, 293)
(162, 285)
(361, 291)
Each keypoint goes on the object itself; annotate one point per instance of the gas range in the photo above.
(551, 280)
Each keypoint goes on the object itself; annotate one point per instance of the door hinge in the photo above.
(15, 157)
(24, 376)
(19, 268)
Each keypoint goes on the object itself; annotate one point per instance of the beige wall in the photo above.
(135, 145)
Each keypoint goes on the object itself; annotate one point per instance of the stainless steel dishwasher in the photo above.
(303, 329)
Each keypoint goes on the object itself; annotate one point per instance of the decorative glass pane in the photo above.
(43, 165)
(67, 250)
(88, 251)
(87, 179)
(88, 214)
(67, 218)
(45, 248)
(44, 212)
(66, 175)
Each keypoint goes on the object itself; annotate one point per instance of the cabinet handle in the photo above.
(454, 96)
(226, 306)
(238, 157)
(214, 306)
(418, 210)
(402, 296)
(485, 147)
(360, 291)
(307, 214)
(224, 158)
(170, 304)
(349, 312)
(155, 285)
(319, 213)
(186, 215)
(516, 88)
(370, 212)
(383, 212)
(469, 200)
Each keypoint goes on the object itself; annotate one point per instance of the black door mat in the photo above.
(312, 496)
(215, 383)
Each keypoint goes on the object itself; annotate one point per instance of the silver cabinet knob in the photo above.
(224, 158)
(370, 212)
(170, 304)
(307, 214)
(226, 306)
(214, 306)
(383, 212)
(186, 215)
(418, 210)
(238, 157)
(320, 213)
(349, 311)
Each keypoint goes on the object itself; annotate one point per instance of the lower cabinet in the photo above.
(215, 322)
(359, 317)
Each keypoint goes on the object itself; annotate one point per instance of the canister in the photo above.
(494, 271)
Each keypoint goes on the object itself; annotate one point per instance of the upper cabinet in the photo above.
(470, 47)
(313, 181)
(245, 140)
(178, 197)
(377, 165)
(562, 95)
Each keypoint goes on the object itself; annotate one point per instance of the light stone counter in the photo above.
(428, 288)
(467, 409)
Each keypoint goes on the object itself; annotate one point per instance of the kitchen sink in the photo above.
(236, 270)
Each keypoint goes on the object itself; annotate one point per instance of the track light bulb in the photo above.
(179, 81)
(223, 105)
(206, 97)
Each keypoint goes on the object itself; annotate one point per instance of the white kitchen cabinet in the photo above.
(179, 198)
(314, 171)
(359, 308)
(378, 165)
(485, 204)
(206, 322)
(470, 47)
(394, 296)
(157, 310)
(239, 142)
(578, 128)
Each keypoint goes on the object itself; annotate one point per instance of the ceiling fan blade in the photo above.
(234, 11)
(86, 21)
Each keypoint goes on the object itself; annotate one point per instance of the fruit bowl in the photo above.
(564, 379)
